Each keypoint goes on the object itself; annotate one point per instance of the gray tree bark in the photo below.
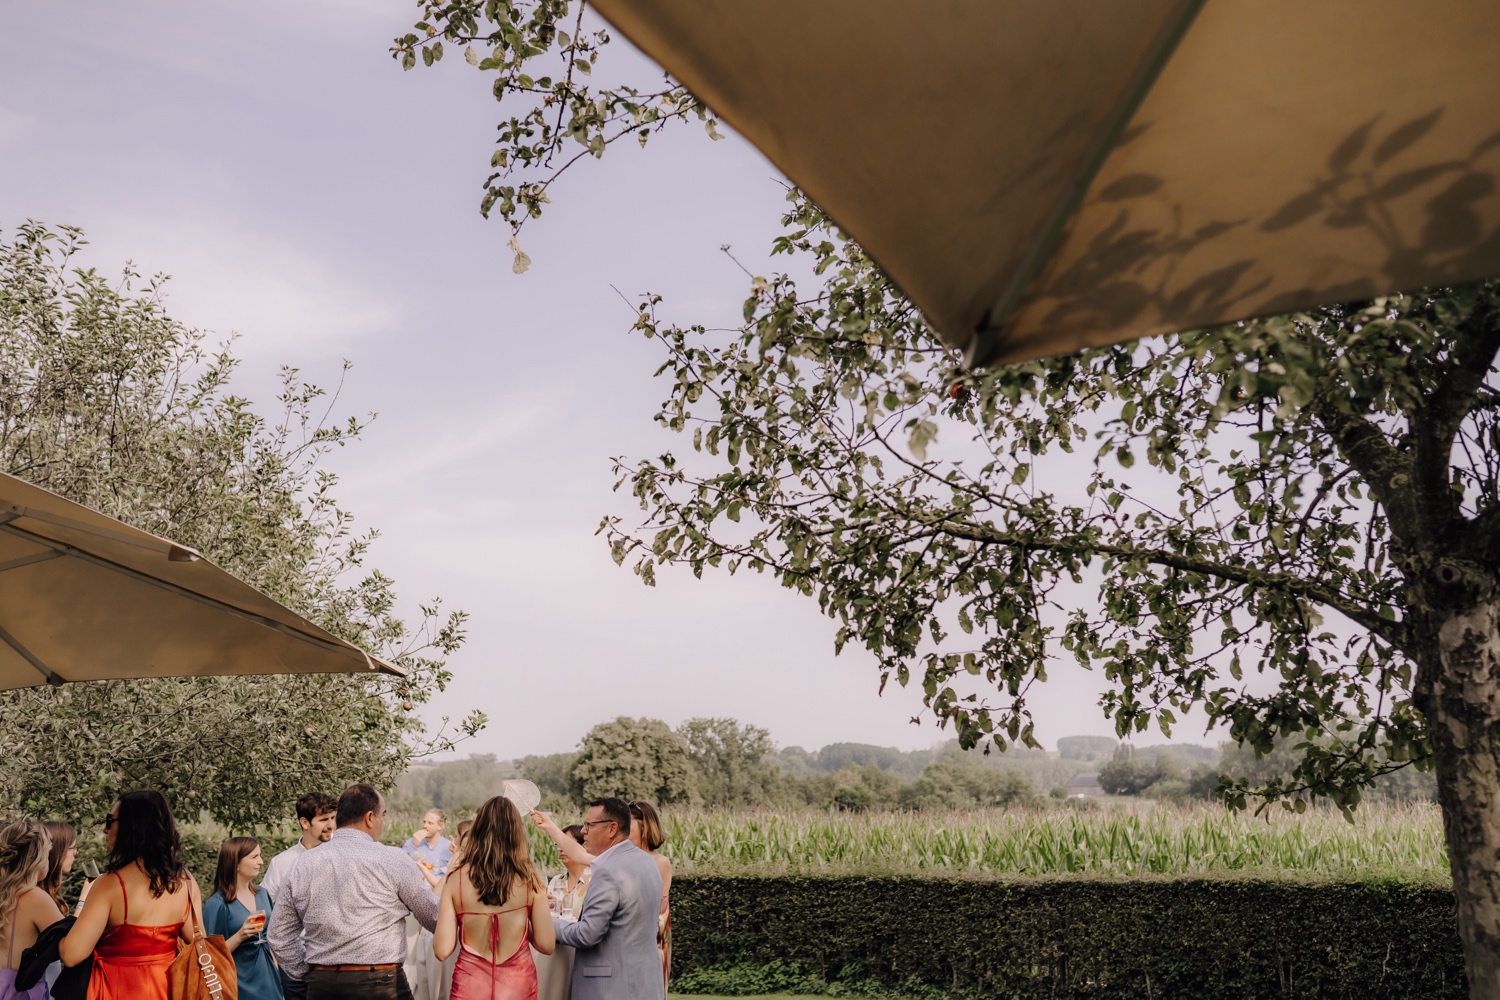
(1459, 693)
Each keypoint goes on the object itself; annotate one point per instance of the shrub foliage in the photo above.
(1206, 938)
(108, 400)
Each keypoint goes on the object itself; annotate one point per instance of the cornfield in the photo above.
(1399, 840)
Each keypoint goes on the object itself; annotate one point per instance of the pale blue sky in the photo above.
(308, 195)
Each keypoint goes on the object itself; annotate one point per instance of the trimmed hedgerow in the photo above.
(1235, 938)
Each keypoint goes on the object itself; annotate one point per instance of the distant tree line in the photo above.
(1180, 773)
(723, 762)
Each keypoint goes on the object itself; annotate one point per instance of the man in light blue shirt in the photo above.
(434, 853)
(429, 846)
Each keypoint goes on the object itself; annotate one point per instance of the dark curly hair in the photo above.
(146, 833)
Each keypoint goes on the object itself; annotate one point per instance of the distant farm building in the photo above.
(1085, 785)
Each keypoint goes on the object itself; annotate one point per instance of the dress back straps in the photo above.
(494, 916)
(125, 901)
(124, 898)
(10, 951)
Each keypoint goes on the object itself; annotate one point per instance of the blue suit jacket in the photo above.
(616, 931)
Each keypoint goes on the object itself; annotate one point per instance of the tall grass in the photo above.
(1398, 840)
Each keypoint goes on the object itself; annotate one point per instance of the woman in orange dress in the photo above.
(493, 910)
(134, 915)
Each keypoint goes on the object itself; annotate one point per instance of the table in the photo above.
(554, 973)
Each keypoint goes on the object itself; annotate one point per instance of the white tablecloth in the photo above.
(429, 978)
(554, 973)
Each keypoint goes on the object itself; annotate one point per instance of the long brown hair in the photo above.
(64, 837)
(496, 854)
(227, 875)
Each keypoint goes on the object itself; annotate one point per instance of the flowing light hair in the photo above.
(496, 854)
(24, 849)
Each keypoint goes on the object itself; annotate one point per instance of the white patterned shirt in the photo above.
(346, 904)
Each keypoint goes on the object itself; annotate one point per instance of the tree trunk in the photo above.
(1459, 693)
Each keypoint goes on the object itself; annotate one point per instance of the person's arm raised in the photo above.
(91, 923)
(569, 848)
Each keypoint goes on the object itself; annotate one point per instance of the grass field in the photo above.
(1400, 840)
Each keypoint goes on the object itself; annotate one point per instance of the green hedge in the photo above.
(1198, 938)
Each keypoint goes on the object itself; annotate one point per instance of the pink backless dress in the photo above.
(476, 977)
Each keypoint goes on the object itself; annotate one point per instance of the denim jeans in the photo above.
(377, 984)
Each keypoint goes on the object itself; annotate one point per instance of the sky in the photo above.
(312, 199)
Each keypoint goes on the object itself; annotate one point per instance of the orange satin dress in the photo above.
(131, 960)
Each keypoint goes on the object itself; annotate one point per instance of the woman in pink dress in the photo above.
(134, 916)
(493, 910)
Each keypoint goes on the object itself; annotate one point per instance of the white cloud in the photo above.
(275, 293)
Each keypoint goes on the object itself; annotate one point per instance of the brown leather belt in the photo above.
(355, 968)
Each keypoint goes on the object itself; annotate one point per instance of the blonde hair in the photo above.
(25, 847)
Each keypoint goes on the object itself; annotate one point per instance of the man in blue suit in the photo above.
(616, 931)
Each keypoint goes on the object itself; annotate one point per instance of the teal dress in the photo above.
(259, 979)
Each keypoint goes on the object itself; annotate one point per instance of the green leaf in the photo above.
(921, 433)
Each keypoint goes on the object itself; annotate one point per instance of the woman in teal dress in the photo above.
(239, 910)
